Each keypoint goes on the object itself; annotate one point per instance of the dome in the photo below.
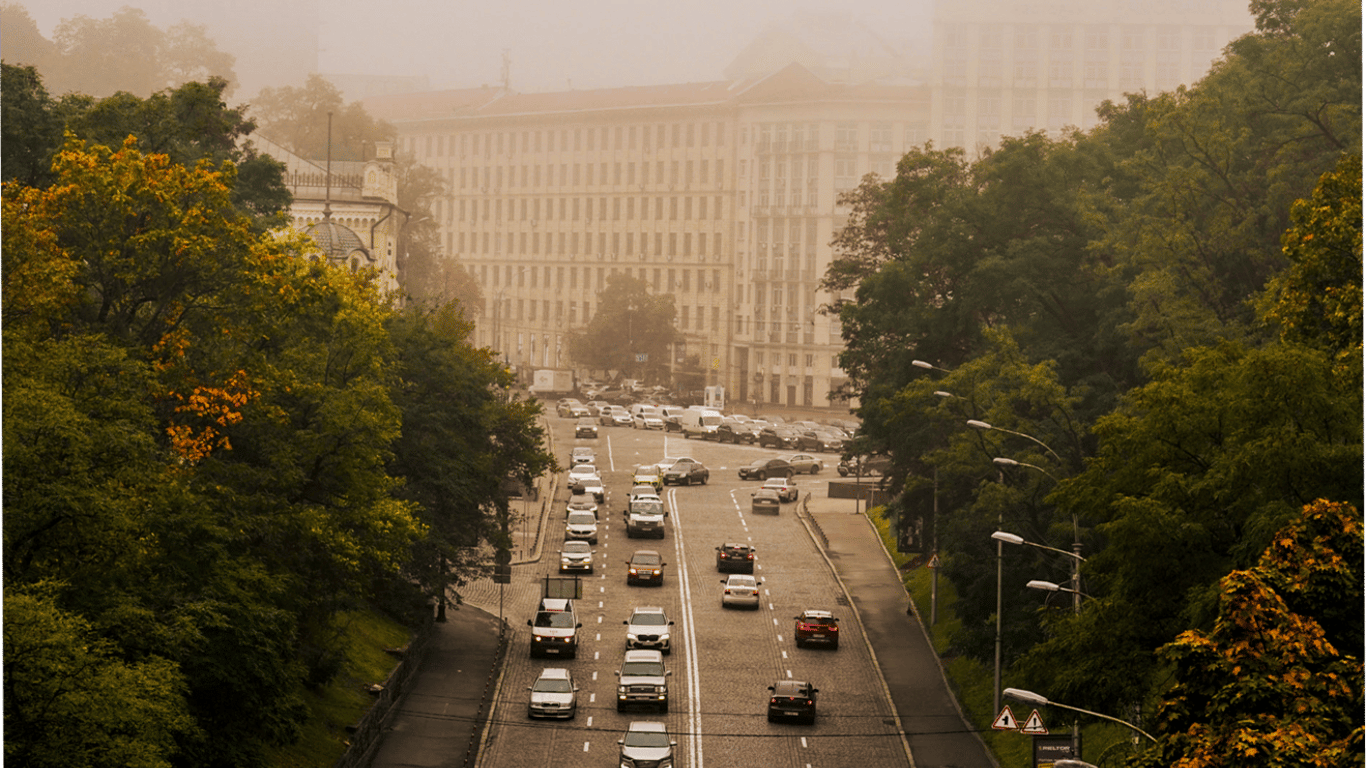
(337, 242)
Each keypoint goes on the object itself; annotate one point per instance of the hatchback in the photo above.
(792, 700)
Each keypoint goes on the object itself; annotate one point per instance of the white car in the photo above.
(576, 557)
(648, 629)
(553, 695)
(648, 419)
(581, 526)
(647, 744)
(582, 454)
(741, 590)
(581, 472)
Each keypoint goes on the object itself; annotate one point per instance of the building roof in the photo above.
(337, 242)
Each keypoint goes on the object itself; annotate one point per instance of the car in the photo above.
(582, 454)
(686, 471)
(642, 491)
(553, 695)
(816, 626)
(576, 557)
(564, 407)
(595, 407)
(621, 417)
(735, 432)
(792, 700)
(586, 427)
(644, 516)
(765, 500)
(763, 469)
(643, 679)
(582, 502)
(579, 411)
(581, 526)
(779, 437)
(648, 629)
(804, 463)
(593, 487)
(646, 745)
(555, 630)
(645, 567)
(670, 414)
(786, 490)
(647, 417)
(735, 558)
(580, 472)
(648, 474)
(740, 590)
(863, 465)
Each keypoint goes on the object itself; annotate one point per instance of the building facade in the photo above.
(720, 194)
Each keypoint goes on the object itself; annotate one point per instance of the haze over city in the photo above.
(552, 46)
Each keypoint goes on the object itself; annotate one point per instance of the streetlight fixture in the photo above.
(984, 426)
(1048, 586)
(1029, 697)
(1004, 462)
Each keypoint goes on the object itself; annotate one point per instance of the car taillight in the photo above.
(750, 556)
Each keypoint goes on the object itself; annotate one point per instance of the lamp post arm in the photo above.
(1130, 726)
(1039, 442)
(1073, 555)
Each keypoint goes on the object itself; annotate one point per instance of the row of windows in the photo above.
(591, 174)
(620, 137)
(777, 357)
(1092, 37)
(804, 137)
(569, 209)
(671, 244)
(690, 317)
(561, 278)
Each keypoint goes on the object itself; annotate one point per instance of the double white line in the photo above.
(694, 740)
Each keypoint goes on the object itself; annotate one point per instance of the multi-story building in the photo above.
(721, 194)
(1003, 68)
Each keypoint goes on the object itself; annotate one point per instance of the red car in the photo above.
(817, 627)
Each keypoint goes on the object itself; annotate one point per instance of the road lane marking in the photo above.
(804, 744)
(585, 746)
(694, 719)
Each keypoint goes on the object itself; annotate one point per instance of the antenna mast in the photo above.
(507, 69)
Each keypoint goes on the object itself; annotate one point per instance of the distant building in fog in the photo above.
(722, 194)
(1003, 67)
(354, 218)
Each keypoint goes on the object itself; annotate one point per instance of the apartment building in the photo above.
(721, 194)
(1003, 68)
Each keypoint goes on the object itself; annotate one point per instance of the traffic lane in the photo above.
(744, 652)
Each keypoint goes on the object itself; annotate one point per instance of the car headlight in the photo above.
(661, 689)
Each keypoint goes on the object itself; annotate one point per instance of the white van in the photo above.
(700, 422)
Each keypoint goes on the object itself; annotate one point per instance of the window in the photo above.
(846, 137)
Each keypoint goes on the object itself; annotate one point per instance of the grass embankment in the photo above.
(972, 680)
(346, 699)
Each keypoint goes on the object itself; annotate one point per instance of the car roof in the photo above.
(644, 656)
(786, 687)
(647, 609)
(766, 493)
(554, 604)
(646, 725)
(650, 552)
(818, 614)
(740, 577)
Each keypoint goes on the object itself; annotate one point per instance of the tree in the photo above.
(24, 43)
(1277, 681)
(126, 52)
(632, 330)
(30, 127)
(298, 119)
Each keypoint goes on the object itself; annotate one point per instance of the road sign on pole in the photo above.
(1006, 720)
(1034, 725)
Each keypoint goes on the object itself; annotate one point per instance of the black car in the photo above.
(686, 471)
(863, 465)
(763, 469)
(734, 432)
(735, 558)
(780, 437)
(792, 700)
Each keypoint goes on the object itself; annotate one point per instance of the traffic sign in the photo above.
(1034, 725)
(1006, 720)
(934, 561)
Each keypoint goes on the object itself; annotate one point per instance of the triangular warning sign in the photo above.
(1006, 720)
(1034, 724)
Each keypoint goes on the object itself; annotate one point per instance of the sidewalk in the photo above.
(439, 722)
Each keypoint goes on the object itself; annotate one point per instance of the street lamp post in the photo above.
(1029, 697)
(982, 425)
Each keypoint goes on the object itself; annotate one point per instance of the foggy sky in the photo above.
(552, 43)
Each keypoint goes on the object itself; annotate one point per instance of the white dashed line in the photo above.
(585, 746)
(789, 674)
(803, 741)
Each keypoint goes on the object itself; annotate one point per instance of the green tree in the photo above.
(631, 331)
(1277, 681)
(297, 118)
(30, 127)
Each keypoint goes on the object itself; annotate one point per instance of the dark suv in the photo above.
(817, 627)
(792, 700)
(779, 437)
(878, 465)
(735, 558)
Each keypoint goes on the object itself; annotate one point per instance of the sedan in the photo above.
(804, 463)
(784, 487)
(645, 567)
(765, 500)
(553, 695)
(735, 432)
(686, 472)
(792, 700)
(741, 590)
(763, 469)
(648, 629)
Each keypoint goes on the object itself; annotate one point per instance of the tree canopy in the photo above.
(632, 330)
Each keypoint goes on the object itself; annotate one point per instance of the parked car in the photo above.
(576, 557)
(741, 591)
(763, 469)
(645, 567)
(815, 626)
(646, 745)
(765, 500)
(586, 427)
(648, 629)
(804, 463)
(792, 700)
(686, 471)
(553, 695)
(784, 487)
(735, 432)
(864, 465)
(780, 437)
(735, 558)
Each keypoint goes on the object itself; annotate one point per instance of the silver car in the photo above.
(553, 695)
(741, 590)
(647, 745)
(576, 557)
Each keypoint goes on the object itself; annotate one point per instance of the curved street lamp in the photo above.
(984, 426)
(1029, 697)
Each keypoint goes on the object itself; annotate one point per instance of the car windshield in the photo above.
(741, 581)
(582, 518)
(647, 508)
(576, 548)
(645, 559)
(646, 739)
(642, 669)
(649, 619)
(555, 619)
(552, 686)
